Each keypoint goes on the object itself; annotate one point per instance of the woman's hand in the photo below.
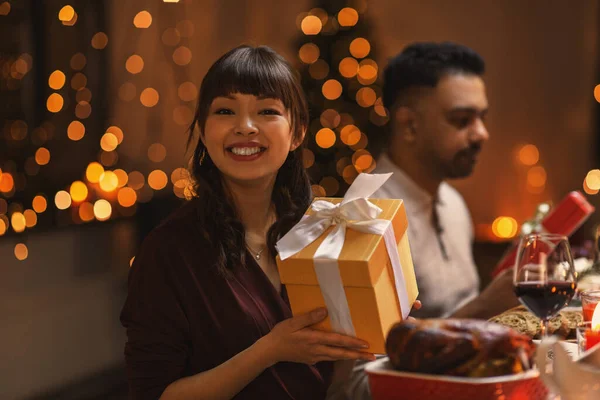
(292, 340)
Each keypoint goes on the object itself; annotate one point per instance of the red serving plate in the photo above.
(389, 384)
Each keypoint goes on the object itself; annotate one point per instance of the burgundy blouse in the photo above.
(182, 317)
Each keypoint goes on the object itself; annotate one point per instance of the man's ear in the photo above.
(405, 121)
(297, 140)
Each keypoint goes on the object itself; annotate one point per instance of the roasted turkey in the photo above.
(470, 348)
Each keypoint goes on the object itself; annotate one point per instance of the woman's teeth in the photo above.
(245, 151)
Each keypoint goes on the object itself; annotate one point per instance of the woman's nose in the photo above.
(245, 126)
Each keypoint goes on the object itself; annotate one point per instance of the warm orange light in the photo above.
(86, 212)
(308, 158)
(109, 142)
(360, 48)
(592, 179)
(597, 93)
(5, 8)
(347, 16)
(18, 130)
(42, 156)
(362, 160)
(348, 67)
(109, 158)
(99, 41)
(21, 252)
(66, 13)
(39, 204)
(311, 25)
(7, 182)
(157, 179)
(529, 155)
(72, 21)
(108, 181)
(78, 61)
(76, 130)
(62, 200)
(142, 20)
(149, 97)
(78, 191)
(367, 72)
(30, 218)
(127, 197)
(187, 91)
(332, 89)
(349, 174)
(83, 94)
(121, 176)
(505, 227)
(587, 189)
(186, 28)
(536, 177)
(93, 172)
(182, 56)
(309, 53)
(102, 210)
(57, 80)
(365, 97)
(325, 138)
(118, 132)
(134, 64)
(18, 222)
(136, 180)
(318, 191)
(3, 226)
(350, 135)
(133, 258)
(55, 103)
(157, 152)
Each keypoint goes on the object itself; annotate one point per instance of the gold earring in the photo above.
(202, 156)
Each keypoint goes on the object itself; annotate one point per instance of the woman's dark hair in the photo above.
(258, 71)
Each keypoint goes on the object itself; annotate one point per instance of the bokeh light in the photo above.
(102, 210)
(66, 13)
(134, 64)
(3, 225)
(142, 20)
(109, 142)
(21, 252)
(57, 80)
(121, 176)
(136, 180)
(108, 158)
(78, 61)
(332, 89)
(157, 179)
(78, 81)
(187, 91)
(78, 191)
(319, 69)
(330, 185)
(126, 197)
(62, 200)
(30, 218)
(157, 152)
(365, 97)
(592, 179)
(505, 227)
(83, 109)
(42, 156)
(347, 17)
(55, 103)
(348, 67)
(7, 182)
(18, 222)
(309, 53)
(311, 25)
(325, 138)
(318, 191)
(308, 158)
(360, 48)
(182, 56)
(86, 212)
(76, 130)
(4, 8)
(350, 135)
(149, 97)
(93, 172)
(99, 41)
(330, 118)
(39, 204)
(529, 155)
(118, 132)
(536, 177)
(108, 181)
(597, 93)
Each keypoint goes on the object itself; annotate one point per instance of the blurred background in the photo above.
(96, 98)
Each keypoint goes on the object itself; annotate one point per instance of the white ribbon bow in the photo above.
(354, 212)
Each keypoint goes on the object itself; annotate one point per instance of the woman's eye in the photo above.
(223, 111)
(270, 111)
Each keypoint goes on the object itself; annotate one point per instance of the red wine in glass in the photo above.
(545, 299)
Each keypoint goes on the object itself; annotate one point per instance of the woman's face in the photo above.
(247, 137)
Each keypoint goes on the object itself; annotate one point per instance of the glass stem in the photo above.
(545, 325)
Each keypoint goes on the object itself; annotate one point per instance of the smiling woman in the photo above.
(206, 314)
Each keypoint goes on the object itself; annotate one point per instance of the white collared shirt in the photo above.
(445, 285)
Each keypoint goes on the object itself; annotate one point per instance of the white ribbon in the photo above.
(354, 212)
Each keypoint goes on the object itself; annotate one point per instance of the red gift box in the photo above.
(564, 219)
(387, 384)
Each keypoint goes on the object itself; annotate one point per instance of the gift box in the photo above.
(564, 219)
(370, 283)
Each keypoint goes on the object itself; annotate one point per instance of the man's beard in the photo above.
(463, 162)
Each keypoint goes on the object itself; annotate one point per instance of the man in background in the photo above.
(437, 102)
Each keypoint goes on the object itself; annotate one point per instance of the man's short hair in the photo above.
(423, 64)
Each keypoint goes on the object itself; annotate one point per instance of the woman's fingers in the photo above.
(332, 353)
(338, 340)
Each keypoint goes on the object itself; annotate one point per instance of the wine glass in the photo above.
(544, 275)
